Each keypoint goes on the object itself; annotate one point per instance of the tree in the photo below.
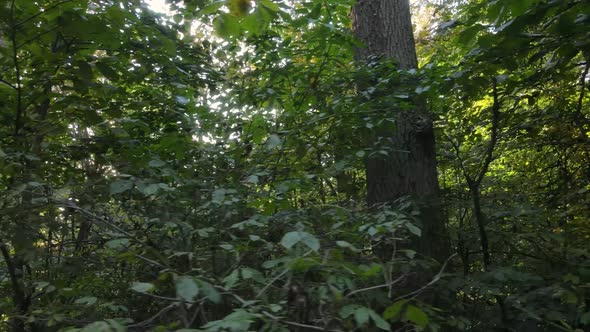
(409, 169)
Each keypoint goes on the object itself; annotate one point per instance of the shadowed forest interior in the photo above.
(294, 165)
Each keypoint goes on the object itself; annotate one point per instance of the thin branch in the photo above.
(7, 83)
(19, 110)
(43, 11)
(34, 38)
(376, 287)
(151, 319)
(271, 282)
(306, 326)
(583, 88)
(460, 159)
(432, 282)
(494, 135)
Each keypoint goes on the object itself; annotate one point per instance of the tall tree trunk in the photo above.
(385, 27)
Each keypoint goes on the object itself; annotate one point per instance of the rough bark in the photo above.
(385, 28)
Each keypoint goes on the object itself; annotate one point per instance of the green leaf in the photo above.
(585, 319)
(210, 9)
(269, 5)
(156, 163)
(249, 273)
(416, 315)
(348, 310)
(209, 291)
(218, 196)
(519, 7)
(150, 189)
(311, 241)
(110, 325)
(142, 287)
(120, 186)
(361, 316)
(226, 26)
(186, 288)
(394, 310)
(117, 243)
(237, 321)
(414, 229)
(292, 238)
(467, 36)
(84, 70)
(107, 71)
(87, 300)
(344, 244)
(379, 321)
(231, 279)
(273, 141)
(252, 179)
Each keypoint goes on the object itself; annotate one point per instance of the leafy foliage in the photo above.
(203, 169)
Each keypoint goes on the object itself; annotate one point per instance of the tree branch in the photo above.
(432, 282)
(19, 110)
(43, 11)
(494, 135)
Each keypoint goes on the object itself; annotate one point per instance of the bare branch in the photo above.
(432, 282)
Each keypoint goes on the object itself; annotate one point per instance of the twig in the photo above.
(432, 282)
(287, 322)
(493, 136)
(271, 282)
(7, 83)
(43, 11)
(376, 287)
(19, 110)
(151, 319)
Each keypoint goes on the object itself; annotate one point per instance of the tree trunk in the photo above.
(385, 27)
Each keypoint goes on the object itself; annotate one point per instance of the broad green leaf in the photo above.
(379, 321)
(211, 8)
(270, 5)
(273, 141)
(394, 310)
(249, 273)
(238, 321)
(142, 287)
(209, 291)
(218, 195)
(292, 238)
(226, 26)
(117, 243)
(361, 316)
(310, 241)
(107, 71)
(467, 36)
(348, 310)
(231, 279)
(416, 315)
(186, 288)
(150, 189)
(156, 163)
(87, 300)
(120, 186)
(414, 229)
(85, 70)
(344, 244)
